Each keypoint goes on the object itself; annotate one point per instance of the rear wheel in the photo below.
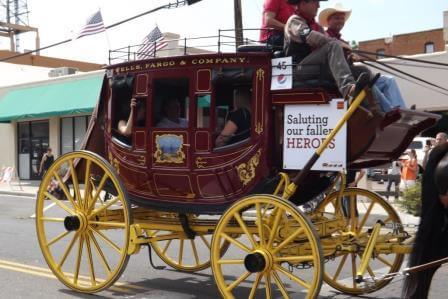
(360, 209)
(83, 230)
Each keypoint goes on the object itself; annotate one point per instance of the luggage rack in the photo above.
(224, 42)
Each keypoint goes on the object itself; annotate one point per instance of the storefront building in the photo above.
(53, 113)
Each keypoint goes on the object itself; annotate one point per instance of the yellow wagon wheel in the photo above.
(182, 253)
(276, 254)
(360, 209)
(83, 223)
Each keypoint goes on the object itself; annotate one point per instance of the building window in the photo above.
(429, 47)
(380, 53)
(73, 130)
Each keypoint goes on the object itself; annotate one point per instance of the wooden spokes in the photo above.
(84, 246)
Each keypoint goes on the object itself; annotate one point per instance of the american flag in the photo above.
(151, 43)
(93, 25)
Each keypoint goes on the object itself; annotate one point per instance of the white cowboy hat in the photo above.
(327, 12)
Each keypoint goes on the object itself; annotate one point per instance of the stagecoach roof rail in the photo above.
(225, 42)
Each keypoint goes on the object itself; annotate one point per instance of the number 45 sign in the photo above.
(281, 73)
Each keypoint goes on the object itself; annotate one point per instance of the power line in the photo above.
(171, 5)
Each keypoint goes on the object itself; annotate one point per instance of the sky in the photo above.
(60, 20)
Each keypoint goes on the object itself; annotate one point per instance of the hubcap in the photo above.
(72, 223)
(258, 261)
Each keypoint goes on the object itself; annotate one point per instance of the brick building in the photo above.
(428, 41)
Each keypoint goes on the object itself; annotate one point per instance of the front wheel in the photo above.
(273, 251)
(82, 219)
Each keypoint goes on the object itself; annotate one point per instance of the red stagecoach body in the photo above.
(197, 176)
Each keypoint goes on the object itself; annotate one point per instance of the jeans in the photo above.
(332, 57)
(386, 91)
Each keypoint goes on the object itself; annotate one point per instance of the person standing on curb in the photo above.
(394, 177)
(410, 170)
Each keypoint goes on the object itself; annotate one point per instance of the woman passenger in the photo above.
(125, 126)
(237, 127)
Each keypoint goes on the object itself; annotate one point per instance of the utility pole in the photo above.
(238, 23)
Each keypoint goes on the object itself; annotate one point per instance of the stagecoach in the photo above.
(174, 191)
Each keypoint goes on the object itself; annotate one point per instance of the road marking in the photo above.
(47, 273)
(45, 209)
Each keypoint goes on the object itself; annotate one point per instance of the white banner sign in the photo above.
(305, 129)
(281, 73)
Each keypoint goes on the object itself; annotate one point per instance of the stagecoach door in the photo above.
(169, 134)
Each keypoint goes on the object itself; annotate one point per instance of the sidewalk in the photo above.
(29, 188)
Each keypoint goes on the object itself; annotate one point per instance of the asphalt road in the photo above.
(24, 273)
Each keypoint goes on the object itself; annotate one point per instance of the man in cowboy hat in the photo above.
(385, 90)
(308, 44)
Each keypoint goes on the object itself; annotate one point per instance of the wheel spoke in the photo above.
(100, 253)
(104, 207)
(230, 262)
(75, 183)
(268, 287)
(205, 241)
(278, 215)
(288, 240)
(195, 252)
(59, 203)
(238, 281)
(254, 288)
(90, 261)
(280, 285)
(65, 190)
(246, 231)
(87, 185)
(364, 219)
(106, 239)
(98, 191)
(235, 242)
(353, 218)
(341, 265)
(354, 269)
(260, 224)
(52, 219)
(57, 238)
(384, 261)
(181, 252)
(67, 251)
(292, 276)
(78, 260)
(167, 245)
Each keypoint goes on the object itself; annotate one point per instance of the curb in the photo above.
(18, 193)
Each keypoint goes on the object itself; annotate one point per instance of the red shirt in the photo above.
(282, 12)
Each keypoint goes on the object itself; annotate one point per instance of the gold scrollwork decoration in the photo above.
(260, 74)
(169, 149)
(200, 163)
(246, 171)
(259, 128)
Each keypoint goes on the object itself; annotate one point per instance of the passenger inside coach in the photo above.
(237, 127)
(171, 115)
(125, 127)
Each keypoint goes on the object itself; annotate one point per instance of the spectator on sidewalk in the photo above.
(441, 138)
(394, 177)
(45, 163)
(409, 170)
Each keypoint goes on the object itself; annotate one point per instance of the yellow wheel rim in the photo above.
(360, 210)
(264, 233)
(83, 229)
(179, 252)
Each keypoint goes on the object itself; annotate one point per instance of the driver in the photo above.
(307, 43)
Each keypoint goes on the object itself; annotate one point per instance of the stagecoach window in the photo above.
(203, 103)
(122, 87)
(170, 103)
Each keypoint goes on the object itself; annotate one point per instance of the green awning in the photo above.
(55, 98)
